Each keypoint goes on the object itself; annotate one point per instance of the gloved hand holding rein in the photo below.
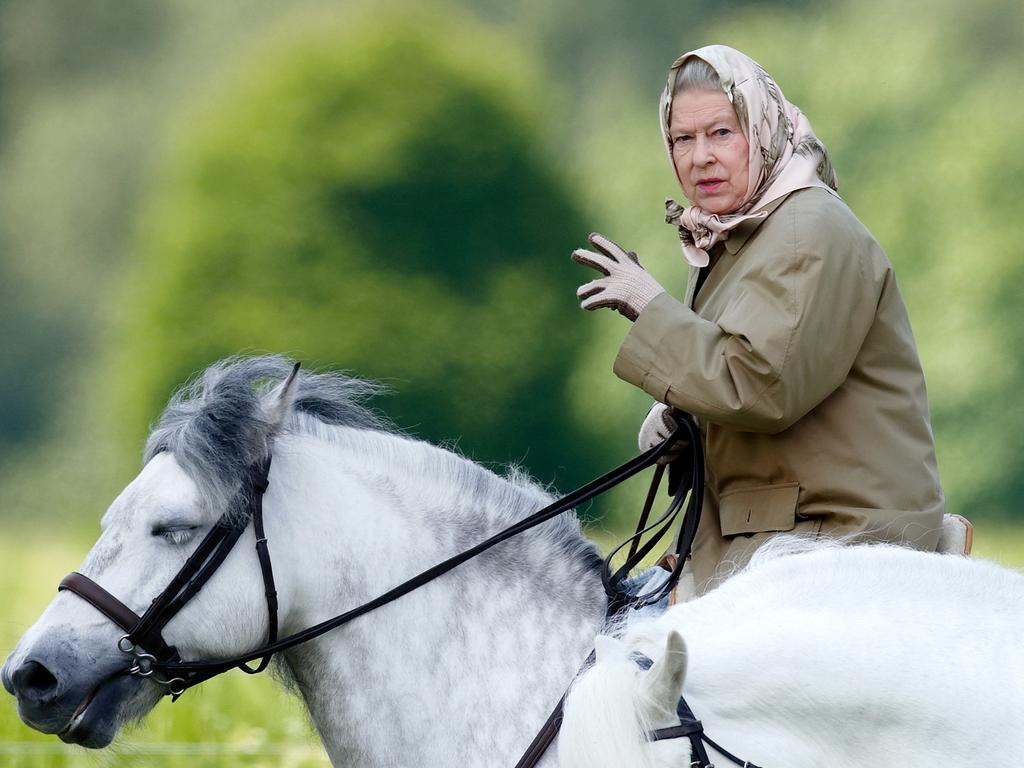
(656, 428)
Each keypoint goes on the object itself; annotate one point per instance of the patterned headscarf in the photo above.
(785, 155)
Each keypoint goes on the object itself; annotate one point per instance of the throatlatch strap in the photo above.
(269, 588)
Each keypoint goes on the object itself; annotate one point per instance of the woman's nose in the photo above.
(702, 154)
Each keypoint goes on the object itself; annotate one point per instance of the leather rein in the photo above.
(152, 657)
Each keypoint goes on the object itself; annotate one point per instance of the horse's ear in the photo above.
(281, 398)
(663, 684)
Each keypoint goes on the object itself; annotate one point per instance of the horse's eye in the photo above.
(175, 534)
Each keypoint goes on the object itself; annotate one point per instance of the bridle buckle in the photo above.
(142, 662)
(143, 666)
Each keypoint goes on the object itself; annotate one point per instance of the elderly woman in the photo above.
(791, 347)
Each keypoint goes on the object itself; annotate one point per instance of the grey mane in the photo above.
(216, 427)
(216, 424)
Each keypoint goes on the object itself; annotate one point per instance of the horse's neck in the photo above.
(461, 671)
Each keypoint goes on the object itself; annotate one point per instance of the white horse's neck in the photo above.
(460, 672)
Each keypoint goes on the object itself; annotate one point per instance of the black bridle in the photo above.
(152, 657)
(691, 728)
(160, 660)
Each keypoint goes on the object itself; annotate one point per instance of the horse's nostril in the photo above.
(33, 679)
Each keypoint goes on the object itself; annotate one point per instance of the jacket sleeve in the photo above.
(787, 337)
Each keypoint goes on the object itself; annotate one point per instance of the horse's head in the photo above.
(613, 706)
(67, 672)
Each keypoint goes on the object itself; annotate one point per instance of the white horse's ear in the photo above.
(280, 400)
(607, 648)
(663, 684)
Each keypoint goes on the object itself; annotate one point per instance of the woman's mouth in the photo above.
(709, 186)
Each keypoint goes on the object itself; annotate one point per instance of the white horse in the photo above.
(461, 672)
(836, 657)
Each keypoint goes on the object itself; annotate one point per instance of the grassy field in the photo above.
(234, 720)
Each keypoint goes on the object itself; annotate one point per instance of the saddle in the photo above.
(957, 536)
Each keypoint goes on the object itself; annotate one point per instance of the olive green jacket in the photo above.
(798, 360)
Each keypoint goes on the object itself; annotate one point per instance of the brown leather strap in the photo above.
(100, 599)
(645, 513)
(669, 562)
(552, 725)
(543, 739)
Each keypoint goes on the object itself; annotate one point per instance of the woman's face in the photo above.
(709, 150)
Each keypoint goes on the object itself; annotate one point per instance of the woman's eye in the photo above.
(723, 132)
(175, 534)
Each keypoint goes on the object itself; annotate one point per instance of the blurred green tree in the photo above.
(916, 101)
(370, 196)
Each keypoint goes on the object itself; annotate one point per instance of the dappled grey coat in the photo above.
(797, 358)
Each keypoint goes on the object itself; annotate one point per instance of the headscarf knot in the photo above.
(699, 230)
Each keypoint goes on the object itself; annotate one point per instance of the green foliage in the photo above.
(369, 196)
(916, 100)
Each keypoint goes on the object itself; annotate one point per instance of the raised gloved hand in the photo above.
(626, 286)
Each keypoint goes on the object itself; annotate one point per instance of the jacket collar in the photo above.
(739, 235)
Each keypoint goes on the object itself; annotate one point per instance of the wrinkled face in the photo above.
(67, 672)
(709, 150)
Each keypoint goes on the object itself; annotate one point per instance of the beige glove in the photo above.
(657, 426)
(626, 287)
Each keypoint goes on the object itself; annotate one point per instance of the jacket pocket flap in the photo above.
(756, 510)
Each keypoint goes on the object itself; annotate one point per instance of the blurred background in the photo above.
(393, 189)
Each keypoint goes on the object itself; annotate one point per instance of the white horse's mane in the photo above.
(216, 427)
